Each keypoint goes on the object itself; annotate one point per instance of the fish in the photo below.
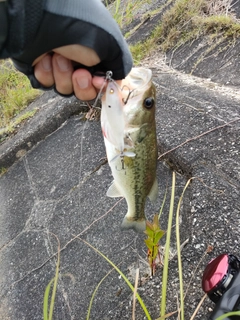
(133, 162)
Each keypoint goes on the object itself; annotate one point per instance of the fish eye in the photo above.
(148, 103)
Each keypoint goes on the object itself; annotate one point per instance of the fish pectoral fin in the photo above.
(113, 191)
(154, 191)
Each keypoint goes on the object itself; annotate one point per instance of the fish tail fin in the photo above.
(137, 225)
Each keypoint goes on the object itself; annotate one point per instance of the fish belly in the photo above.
(134, 177)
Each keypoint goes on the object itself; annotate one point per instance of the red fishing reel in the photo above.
(219, 274)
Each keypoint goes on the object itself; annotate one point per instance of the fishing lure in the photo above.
(113, 118)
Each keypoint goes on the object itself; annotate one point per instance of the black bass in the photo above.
(129, 129)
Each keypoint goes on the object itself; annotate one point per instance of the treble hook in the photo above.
(122, 160)
(108, 77)
(129, 93)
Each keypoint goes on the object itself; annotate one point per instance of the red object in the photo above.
(215, 272)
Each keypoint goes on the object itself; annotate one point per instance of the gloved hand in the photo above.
(39, 26)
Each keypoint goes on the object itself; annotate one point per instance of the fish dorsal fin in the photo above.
(153, 192)
(113, 191)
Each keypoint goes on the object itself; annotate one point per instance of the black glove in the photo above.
(36, 27)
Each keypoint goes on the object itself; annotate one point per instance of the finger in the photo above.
(43, 71)
(62, 72)
(82, 85)
(99, 81)
(79, 53)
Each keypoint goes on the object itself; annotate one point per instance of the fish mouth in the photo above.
(137, 82)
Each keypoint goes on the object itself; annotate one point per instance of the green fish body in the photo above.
(135, 175)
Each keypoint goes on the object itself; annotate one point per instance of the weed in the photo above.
(123, 276)
(188, 20)
(167, 249)
(124, 13)
(229, 314)
(94, 293)
(2, 171)
(163, 315)
(48, 310)
(154, 234)
(15, 92)
(14, 123)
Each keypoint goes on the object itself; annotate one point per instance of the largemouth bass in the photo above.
(133, 163)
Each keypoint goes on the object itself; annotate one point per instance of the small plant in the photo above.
(2, 171)
(154, 234)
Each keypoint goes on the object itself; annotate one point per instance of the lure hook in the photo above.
(108, 77)
(129, 93)
(123, 167)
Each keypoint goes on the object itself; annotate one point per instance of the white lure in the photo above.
(113, 120)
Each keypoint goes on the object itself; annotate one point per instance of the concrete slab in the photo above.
(66, 184)
(52, 111)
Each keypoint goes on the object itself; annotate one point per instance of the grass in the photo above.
(167, 250)
(51, 288)
(15, 94)
(124, 12)
(48, 309)
(187, 20)
(14, 123)
(123, 276)
(94, 293)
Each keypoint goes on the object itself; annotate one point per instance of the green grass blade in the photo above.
(167, 247)
(122, 275)
(54, 281)
(54, 290)
(94, 293)
(45, 300)
(162, 206)
(117, 6)
(179, 252)
(224, 316)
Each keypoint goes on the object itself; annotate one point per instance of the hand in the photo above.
(83, 32)
(57, 69)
